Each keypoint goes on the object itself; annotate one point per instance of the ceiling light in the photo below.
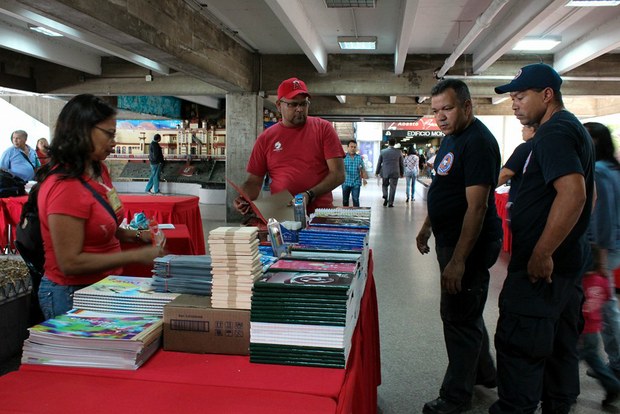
(349, 3)
(592, 3)
(43, 30)
(537, 43)
(357, 43)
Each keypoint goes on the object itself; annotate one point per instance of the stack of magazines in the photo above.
(304, 312)
(125, 294)
(236, 263)
(183, 274)
(82, 338)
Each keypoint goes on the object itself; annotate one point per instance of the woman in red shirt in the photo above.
(79, 208)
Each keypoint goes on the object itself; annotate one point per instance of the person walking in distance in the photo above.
(391, 168)
(412, 169)
(355, 175)
(156, 158)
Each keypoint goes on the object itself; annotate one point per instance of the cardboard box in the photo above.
(192, 325)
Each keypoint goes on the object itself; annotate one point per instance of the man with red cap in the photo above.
(301, 153)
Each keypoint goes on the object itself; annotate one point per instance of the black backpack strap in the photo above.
(28, 159)
(98, 197)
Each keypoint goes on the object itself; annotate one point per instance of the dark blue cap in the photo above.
(537, 75)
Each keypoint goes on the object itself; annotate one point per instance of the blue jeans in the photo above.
(465, 334)
(354, 191)
(55, 299)
(410, 180)
(589, 352)
(154, 178)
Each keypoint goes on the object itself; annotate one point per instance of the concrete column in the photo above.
(244, 122)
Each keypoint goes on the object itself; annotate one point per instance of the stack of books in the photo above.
(183, 274)
(333, 238)
(123, 294)
(305, 316)
(82, 338)
(236, 263)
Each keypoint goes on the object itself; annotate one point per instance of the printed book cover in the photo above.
(125, 286)
(80, 328)
(305, 280)
(313, 266)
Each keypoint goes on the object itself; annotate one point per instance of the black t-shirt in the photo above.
(515, 163)
(560, 147)
(463, 160)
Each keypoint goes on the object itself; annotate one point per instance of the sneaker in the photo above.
(441, 406)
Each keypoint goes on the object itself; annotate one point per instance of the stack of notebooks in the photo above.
(304, 312)
(333, 238)
(123, 294)
(236, 263)
(358, 212)
(81, 338)
(183, 274)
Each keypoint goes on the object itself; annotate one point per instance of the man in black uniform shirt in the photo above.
(540, 303)
(467, 229)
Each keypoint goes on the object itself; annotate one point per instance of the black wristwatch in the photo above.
(310, 195)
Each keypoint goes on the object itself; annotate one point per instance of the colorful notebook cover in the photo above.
(313, 266)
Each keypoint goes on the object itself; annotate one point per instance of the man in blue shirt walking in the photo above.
(354, 175)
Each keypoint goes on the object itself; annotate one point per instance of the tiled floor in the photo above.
(412, 351)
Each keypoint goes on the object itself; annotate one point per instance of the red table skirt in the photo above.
(182, 382)
(500, 205)
(169, 209)
(60, 393)
(178, 241)
(11, 212)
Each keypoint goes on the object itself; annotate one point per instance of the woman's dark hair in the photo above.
(71, 146)
(603, 144)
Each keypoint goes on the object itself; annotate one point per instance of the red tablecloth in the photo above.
(165, 209)
(11, 211)
(500, 205)
(169, 209)
(180, 382)
(178, 241)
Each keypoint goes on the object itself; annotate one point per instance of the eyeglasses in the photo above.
(111, 134)
(295, 105)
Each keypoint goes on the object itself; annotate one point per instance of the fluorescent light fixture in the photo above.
(592, 3)
(357, 43)
(43, 30)
(537, 43)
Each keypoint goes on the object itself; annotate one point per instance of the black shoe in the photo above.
(441, 406)
(611, 397)
(384, 202)
(407, 200)
(391, 205)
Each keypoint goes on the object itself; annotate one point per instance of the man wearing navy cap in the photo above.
(301, 153)
(540, 303)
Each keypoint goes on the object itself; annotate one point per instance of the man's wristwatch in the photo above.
(310, 195)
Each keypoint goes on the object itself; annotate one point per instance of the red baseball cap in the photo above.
(292, 87)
